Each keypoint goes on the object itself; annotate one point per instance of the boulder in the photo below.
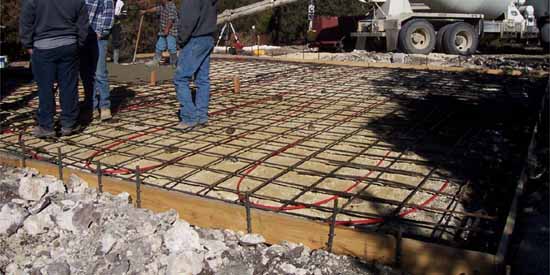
(187, 262)
(251, 239)
(181, 237)
(38, 224)
(31, 189)
(12, 217)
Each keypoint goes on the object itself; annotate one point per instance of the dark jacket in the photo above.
(197, 18)
(42, 19)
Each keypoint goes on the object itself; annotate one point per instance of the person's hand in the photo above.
(142, 12)
(98, 35)
(29, 51)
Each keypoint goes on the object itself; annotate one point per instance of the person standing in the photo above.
(168, 31)
(117, 29)
(52, 31)
(196, 40)
(93, 69)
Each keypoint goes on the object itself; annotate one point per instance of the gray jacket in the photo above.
(197, 18)
(43, 19)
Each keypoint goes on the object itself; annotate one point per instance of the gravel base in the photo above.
(50, 228)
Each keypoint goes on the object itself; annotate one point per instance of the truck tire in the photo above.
(461, 39)
(439, 47)
(417, 37)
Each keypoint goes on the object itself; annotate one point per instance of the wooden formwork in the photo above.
(413, 256)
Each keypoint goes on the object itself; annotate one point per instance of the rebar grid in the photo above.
(389, 145)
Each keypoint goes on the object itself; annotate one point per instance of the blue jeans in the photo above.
(59, 64)
(166, 42)
(94, 74)
(194, 60)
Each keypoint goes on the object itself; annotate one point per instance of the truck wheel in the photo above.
(417, 37)
(461, 38)
(439, 47)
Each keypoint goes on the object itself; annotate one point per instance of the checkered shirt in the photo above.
(101, 14)
(168, 12)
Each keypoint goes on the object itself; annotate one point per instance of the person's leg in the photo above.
(159, 48)
(172, 49)
(67, 75)
(182, 76)
(191, 57)
(116, 41)
(88, 65)
(102, 81)
(44, 71)
(202, 79)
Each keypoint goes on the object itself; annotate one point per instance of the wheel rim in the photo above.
(463, 41)
(420, 39)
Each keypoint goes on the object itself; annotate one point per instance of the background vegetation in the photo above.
(282, 26)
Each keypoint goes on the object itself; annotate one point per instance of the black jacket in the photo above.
(42, 19)
(197, 18)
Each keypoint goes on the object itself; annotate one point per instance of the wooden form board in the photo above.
(425, 67)
(415, 256)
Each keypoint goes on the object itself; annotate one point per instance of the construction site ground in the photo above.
(434, 155)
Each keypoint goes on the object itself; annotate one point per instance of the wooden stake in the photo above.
(137, 40)
(236, 84)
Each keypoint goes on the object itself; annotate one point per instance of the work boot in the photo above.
(153, 62)
(105, 114)
(185, 126)
(173, 60)
(70, 131)
(115, 56)
(40, 132)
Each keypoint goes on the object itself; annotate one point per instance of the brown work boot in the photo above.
(105, 114)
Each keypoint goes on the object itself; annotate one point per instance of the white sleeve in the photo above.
(118, 7)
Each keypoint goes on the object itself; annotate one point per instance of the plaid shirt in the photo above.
(168, 12)
(101, 14)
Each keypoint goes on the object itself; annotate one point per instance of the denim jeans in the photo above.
(59, 64)
(164, 43)
(93, 72)
(194, 60)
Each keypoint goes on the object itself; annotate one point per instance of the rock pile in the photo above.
(47, 228)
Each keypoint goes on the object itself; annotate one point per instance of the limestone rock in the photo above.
(84, 216)
(181, 237)
(11, 218)
(252, 239)
(38, 224)
(187, 262)
(39, 206)
(59, 268)
(107, 243)
(31, 189)
(76, 184)
(55, 186)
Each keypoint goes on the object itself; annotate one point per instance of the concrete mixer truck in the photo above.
(453, 26)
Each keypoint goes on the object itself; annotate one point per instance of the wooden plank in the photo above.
(417, 257)
(425, 67)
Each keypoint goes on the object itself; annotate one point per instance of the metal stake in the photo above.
(99, 174)
(23, 152)
(138, 187)
(60, 163)
(332, 226)
(248, 216)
